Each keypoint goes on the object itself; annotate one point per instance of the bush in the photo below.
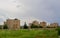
(0, 26)
(48, 27)
(5, 27)
(40, 27)
(25, 26)
(58, 31)
(34, 26)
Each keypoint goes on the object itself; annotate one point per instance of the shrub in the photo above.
(25, 26)
(5, 27)
(58, 31)
(34, 26)
(40, 27)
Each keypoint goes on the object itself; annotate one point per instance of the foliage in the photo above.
(40, 27)
(0, 26)
(34, 26)
(25, 26)
(58, 30)
(48, 27)
(5, 27)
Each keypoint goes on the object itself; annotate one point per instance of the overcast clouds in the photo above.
(48, 10)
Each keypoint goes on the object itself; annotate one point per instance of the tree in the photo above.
(58, 31)
(40, 27)
(48, 27)
(25, 26)
(5, 27)
(34, 26)
(0, 26)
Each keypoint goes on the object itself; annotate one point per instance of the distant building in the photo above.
(13, 24)
(43, 24)
(54, 25)
(29, 25)
(35, 23)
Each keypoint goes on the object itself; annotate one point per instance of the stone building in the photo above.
(54, 25)
(13, 24)
(35, 22)
(43, 24)
(29, 25)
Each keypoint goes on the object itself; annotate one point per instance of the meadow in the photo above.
(25, 33)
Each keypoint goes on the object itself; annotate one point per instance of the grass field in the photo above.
(28, 34)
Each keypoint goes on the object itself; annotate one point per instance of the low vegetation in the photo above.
(25, 33)
(58, 29)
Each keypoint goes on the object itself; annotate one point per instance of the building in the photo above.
(35, 23)
(43, 24)
(54, 25)
(13, 24)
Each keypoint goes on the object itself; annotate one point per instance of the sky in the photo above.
(29, 10)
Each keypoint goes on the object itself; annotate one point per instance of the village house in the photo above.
(54, 25)
(43, 24)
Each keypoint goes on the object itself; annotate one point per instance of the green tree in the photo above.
(40, 27)
(34, 26)
(5, 27)
(0, 26)
(48, 27)
(58, 31)
(25, 26)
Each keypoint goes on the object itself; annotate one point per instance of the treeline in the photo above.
(3, 27)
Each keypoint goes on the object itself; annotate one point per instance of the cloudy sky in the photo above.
(28, 10)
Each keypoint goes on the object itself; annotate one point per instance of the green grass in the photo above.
(28, 34)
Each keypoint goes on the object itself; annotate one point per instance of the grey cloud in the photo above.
(48, 10)
(45, 9)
